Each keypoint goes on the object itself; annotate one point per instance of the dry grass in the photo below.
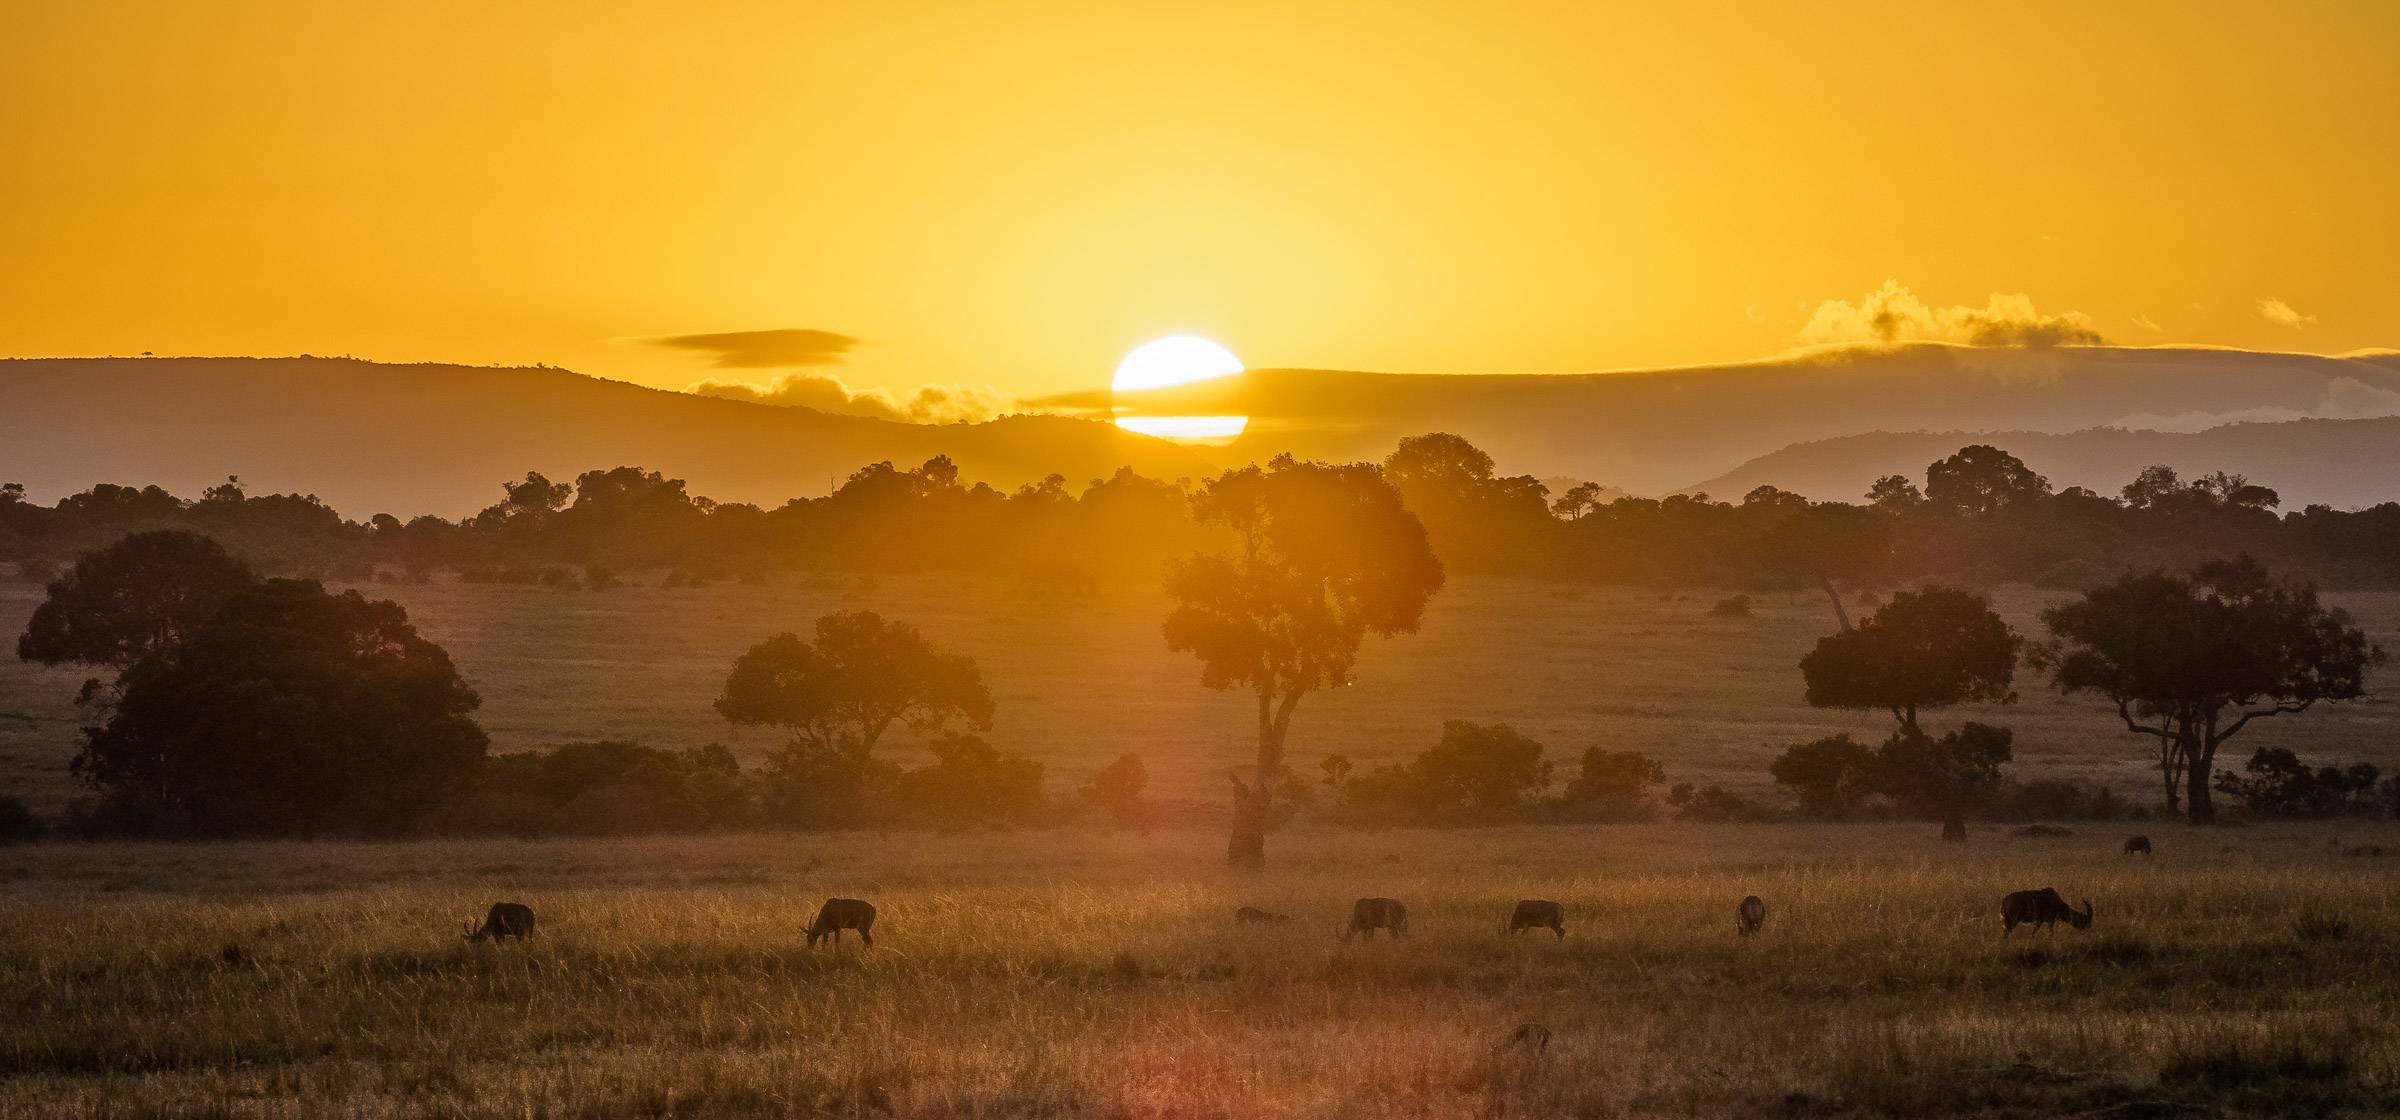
(1070, 973)
(1083, 680)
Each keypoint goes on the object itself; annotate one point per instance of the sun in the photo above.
(1175, 360)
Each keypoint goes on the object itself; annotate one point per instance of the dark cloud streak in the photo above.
(783, 349)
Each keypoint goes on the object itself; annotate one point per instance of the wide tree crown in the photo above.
(1929, 648)
(863, 674)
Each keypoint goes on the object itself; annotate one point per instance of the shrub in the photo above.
(17, 822)
(1735, 607)
(1612, 786)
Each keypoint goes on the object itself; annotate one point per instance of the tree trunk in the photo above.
(2199, 760)
(2170, 770)
(1247, 848)
(1839, 615)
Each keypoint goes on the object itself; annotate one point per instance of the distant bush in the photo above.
(17, 822)
(1715, 805)
(970, 783)
(1613, 786)
(605, 788)
(2280, 785)
(1474, 771)
(1736, 607)
(1117, 789)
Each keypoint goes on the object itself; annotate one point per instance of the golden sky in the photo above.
(1016, 195)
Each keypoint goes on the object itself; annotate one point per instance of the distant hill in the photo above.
(2345, 464)
(1651, 431)
(406, 439)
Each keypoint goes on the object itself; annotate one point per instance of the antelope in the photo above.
(1538, 913)
(1253, 916)
(507, 919)
(839, 914)
(2041, 908)
(2137, 844)
(1371, 914)
(1750, 915)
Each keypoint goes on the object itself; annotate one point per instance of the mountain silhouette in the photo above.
(1654, 431)
(369, 437)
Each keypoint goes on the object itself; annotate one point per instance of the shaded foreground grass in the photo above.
(1073, 974)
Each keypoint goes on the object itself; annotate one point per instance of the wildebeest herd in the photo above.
(2038, 908)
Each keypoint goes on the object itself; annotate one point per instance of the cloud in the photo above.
(2281, 314)
(925, 404)
(1894, 314)
(2346, 398)
(2143, 321)
(782, 349)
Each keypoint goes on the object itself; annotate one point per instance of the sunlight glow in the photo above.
(1213, 430)
(1173, 360)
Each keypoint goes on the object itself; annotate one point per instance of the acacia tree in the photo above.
(1931, 648)
(133, 598)
(1324, 555)
(839, 696)
(2193, 658)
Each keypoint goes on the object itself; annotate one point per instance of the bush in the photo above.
(1475, 769)
(2280, 785)
(1736, 607)
(970, 783)
(1117, 788)
(1715, 805)
(606, 788)
(1613, 786)
(17, 822)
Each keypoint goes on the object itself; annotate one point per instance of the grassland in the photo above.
(2247, 971)
(1081, 680)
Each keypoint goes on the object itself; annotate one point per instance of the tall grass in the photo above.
(1066, 974)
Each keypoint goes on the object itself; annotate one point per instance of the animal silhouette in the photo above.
(1253, 916)
(1370, 914)
(1538, 913)
(839, 914)
(1751, 915)
(2041, 908)
(506, 919)
(2137, 844)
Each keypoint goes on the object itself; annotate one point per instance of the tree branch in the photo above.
(2287, 707)
(2125, 712)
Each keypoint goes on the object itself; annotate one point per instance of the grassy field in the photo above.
(1077, 973)
(1082, 680)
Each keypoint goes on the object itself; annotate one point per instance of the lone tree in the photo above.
(289, 711)
(1981, 479)
(838, 696)
(2193, 658)
(1931, 648)
(1324, 555)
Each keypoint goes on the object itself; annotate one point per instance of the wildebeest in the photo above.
(2041, 908)
(1954, 830)
(1539, 913)
(839, 914)
(506, 919)
(1371, 914)
(1253, 916)
(1532, 1036)
(1751, 915)
(2137, 844)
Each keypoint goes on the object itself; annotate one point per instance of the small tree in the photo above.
(291, 711)
(1830, 775)
(2192, 659)
(1324, 556)
(839, 696)
(1613, 785)
(1118, 788)
(1982, 479)
(1930, 648)
(1941, 776)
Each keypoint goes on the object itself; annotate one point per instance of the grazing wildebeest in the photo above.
(507, 919)
(1532, 1036)
(2041, 908)
(2137, 844)
(839, 914)
(1371, 914)
(1539, 913)
(1253, 916)
(1751, 915)
(1954, 831)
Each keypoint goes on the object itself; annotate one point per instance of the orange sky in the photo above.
(1014, 195)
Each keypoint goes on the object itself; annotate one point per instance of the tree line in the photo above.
(1976, 518)
(243, 704)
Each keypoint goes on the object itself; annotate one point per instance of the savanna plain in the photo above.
(1085, 971)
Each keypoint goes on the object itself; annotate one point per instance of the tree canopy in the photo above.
(2192, 658)
(289, 711)
(1324, 556)
(135, 597)
(863, 674)
(1929, 648)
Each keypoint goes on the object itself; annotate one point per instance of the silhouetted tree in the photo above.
(1326, 554)
(1474, 768)
(1612, 785)
(133, 598)
(2280, 785)
(290, 711)
(1942, 776)
(1118, 789)
(1830, 775)
(839, 696)
(1981, 479)
(1474, 520)
(2192, 659)
(1929, 648)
